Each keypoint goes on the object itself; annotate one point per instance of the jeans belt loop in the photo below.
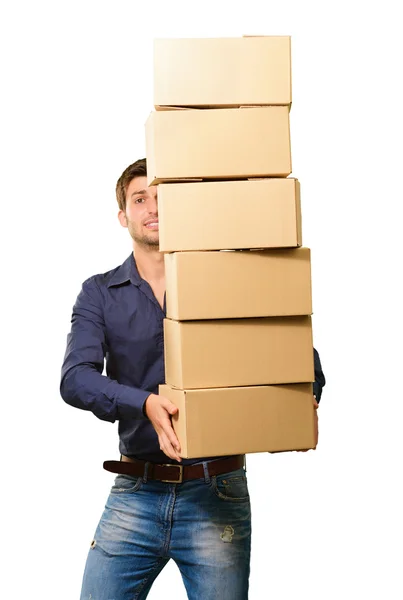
(145, 474)
(207, 477)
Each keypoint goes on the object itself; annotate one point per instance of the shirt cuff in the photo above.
(131, 402)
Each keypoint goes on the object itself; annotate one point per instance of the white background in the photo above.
(76, 82)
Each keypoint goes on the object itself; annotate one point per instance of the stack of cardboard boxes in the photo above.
(238, 337)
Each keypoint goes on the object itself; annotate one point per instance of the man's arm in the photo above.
(82, 383)
(320, 380)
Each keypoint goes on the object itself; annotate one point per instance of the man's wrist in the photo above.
(145, 405)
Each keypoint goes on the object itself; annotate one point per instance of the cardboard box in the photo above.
(222, 72)
(239, 420)
(264, 213)
(238, 352)
(233, 143)
(238, 284)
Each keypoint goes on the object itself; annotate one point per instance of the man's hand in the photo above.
(316, 422)
(159, 410)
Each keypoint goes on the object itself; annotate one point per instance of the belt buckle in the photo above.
(180, 467)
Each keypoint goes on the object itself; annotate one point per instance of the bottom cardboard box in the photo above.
(238, 420)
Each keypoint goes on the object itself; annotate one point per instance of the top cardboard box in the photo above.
(227, 72)
(223, 143)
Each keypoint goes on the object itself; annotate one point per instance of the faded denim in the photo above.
(204, 525)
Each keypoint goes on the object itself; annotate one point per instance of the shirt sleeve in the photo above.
(320, 380)
(82, 383)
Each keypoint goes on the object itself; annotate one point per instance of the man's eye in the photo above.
(139, 200)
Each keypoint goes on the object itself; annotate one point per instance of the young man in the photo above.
(196, 512)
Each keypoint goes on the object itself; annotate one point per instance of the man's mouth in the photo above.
(151, 224)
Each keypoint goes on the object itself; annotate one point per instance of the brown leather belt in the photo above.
(173, 473)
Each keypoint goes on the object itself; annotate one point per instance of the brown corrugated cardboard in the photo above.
(264, 213)
(234, 143)
(216, 422)
(238, 352)
(222, 72)
(232, 285)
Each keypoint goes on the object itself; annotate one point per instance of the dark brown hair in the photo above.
(137, 169)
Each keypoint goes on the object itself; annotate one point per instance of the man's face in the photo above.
(141, 215)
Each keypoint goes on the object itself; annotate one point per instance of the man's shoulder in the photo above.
(108, 278)
(102, 279)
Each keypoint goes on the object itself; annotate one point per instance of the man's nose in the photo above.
(153, 204)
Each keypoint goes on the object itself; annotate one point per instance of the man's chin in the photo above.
(148, 241)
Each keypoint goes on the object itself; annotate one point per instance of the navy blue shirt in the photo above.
(118, 318)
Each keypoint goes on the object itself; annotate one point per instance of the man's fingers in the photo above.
(172, 409)
(167, 428)
(159, 411)
(169, 406)
(167, 447)
(173, 440)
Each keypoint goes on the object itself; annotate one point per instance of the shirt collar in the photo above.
(126, 272)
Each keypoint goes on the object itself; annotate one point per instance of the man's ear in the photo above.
(122, 218)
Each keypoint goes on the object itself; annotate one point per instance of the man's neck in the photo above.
(150, 263)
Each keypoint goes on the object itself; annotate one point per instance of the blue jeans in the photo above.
(204, 525)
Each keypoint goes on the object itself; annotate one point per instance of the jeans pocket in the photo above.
(232, 487)
(125, 484)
